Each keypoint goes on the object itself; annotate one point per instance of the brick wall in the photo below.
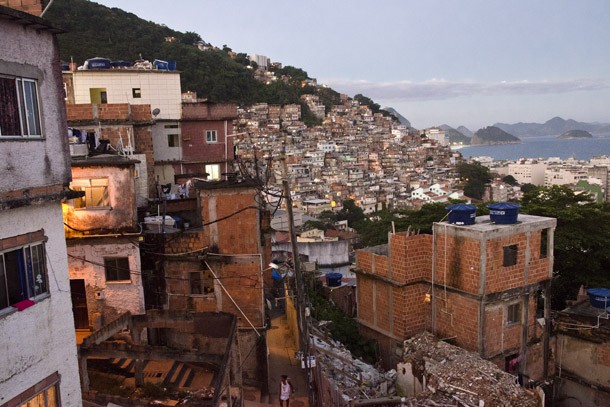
(29, 6)
(457, 317)
(196, 148)
(411, 257)
(458, 260)
(209, 111)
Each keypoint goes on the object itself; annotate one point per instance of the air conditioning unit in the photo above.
(79, 150)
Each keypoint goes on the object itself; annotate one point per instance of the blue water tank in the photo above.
(97, 63)
(65, 67)
(599, 297)
(334, 279)
(120, 64)
(503, 213)
(462, 214)
(160, 65)
(171, 65)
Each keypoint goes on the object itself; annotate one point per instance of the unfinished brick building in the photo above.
(219, 266)
(475, 284)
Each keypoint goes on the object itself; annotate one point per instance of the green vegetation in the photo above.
(492, 135)
(474, 177)
(342, 328)
(214, 74)
(582, 238)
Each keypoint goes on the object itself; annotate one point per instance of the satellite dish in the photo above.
(156, 111)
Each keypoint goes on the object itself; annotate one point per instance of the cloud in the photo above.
(438, 89)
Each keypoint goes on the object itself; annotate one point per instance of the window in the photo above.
(202, 282)
(213, 171)
(98, 95)
(136, 93)
(96, 193)
(513, 314)
(19, 109)
(510, 255)
(23, 274)
(210, 136)
(43, 394)
(544, 243)
(173, 140)
(117, 269)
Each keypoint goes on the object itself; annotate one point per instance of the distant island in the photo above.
(492, 135)
(572, 134)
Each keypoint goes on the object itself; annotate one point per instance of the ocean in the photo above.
(543, 147)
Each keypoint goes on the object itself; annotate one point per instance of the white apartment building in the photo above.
(528, 172)
(564, 176)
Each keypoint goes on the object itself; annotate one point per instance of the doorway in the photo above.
(79, 304)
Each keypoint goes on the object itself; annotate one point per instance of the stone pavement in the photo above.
(281, 361)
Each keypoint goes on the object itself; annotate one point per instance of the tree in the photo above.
(190, 38)
(474, 176)
(581, 239)
(352, 213)
(528, 187)
(510, 180)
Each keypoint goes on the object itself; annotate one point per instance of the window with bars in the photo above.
(117, 269)
(19, 108)
(96, 193)
(23, 274)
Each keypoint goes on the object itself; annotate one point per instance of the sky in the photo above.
(455, 62)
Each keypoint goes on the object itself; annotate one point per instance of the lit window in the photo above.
(19, 110)
(23, 274)
(210, 136)
(43, 394)
(96, 193)
(117, 269)
(173, 140)
(514, 314)
(213, 171)
(510, 255)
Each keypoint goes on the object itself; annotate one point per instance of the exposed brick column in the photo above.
(29, 6)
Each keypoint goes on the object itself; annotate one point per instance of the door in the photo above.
(79, 304)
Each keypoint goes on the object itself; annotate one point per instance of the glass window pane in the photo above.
(3, 293)
(39, 267)
(31, 108)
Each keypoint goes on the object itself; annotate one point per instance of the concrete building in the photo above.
(528, 172)
(477, 284)
(102, 237)
(207, 140)
(39, 357)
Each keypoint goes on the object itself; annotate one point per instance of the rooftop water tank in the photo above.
(462, 214)
(503, 213)
(599, 297)
(333, 279)
(97, 63)
(160, 65)
(120, 64)
(171, 65)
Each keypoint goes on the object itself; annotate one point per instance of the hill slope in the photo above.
(556, 125)
(492, 135)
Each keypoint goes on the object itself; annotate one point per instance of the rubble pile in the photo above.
(463, 375)
(354, 378)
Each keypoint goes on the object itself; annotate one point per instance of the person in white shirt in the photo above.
(286, 391)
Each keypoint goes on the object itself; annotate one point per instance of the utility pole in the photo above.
(300, 294)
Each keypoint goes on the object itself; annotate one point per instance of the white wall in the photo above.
(120, 296)
(160, 89)
(40, 340)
